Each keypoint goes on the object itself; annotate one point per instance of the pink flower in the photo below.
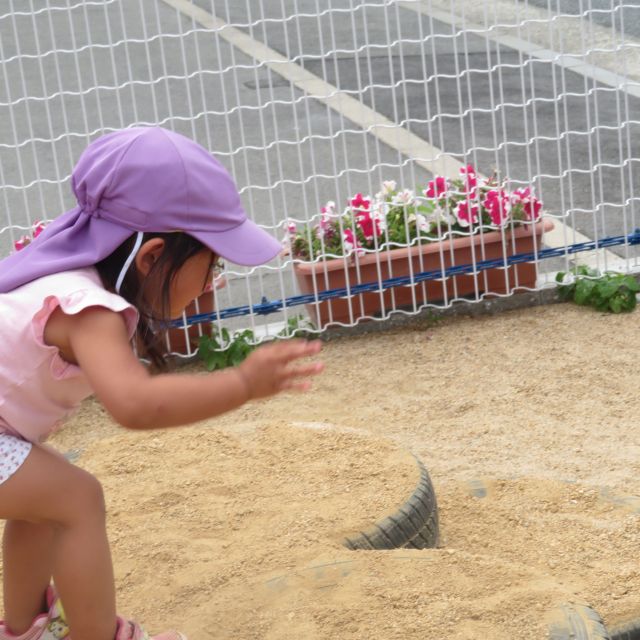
(349, 240)
(435, 188)
(467, 213)
(360, 203)
(469, 175)
(369, 224)
(498, 205)
(291, 227)
(21, 243)
(38, 228)
(530, 204)
(324, 228)
(329, 210)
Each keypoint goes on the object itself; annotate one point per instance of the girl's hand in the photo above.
(270, 369)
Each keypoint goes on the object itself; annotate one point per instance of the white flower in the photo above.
(422, 223)
(389, 187)
(404, 198)
(329, 209)
(444, 216)
(378, 213)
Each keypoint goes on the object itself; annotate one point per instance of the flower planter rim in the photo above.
(489, 237)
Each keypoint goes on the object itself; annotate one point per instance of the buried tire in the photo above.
(577, 622)
(414, 525)
(628, 631)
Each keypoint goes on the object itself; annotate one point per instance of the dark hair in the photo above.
(151, 330)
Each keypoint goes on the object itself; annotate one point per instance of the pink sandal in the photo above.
(128, 630)
(53, 626)
(40, 627)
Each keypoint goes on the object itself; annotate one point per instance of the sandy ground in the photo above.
(527, 422)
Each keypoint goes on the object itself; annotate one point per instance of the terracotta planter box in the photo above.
(338, 273)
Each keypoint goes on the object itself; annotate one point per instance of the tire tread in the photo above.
(414, 525)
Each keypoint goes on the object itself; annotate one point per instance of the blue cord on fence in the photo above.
(266, 307)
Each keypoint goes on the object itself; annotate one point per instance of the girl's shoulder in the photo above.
(75, 280)
(72, 291)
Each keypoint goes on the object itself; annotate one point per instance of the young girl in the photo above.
(155, 212)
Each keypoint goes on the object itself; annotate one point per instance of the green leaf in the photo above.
(627, 300)
(584, 270)
(214, 360)
(631, 283)
(601, 305)
(236, 355)
(427, 207)
(631, 302)
(296, 326)
(607, 288)
(220, 349)
(584, 289)
(612, 292)
(616, 304)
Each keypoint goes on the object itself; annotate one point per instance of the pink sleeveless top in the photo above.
(38, 389)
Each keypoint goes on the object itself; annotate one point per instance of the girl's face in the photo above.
(190, 281)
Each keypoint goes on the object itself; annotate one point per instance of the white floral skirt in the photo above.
(13, 452)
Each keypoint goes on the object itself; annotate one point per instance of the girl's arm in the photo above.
(100, 345)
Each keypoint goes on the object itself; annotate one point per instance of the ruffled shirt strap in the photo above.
(73, 303)
(38, 388)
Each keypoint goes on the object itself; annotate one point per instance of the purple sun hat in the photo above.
(136, 180)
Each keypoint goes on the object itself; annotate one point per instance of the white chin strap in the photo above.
(128, 261)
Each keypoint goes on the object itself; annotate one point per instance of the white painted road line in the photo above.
(425, 155)
(530, 49)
